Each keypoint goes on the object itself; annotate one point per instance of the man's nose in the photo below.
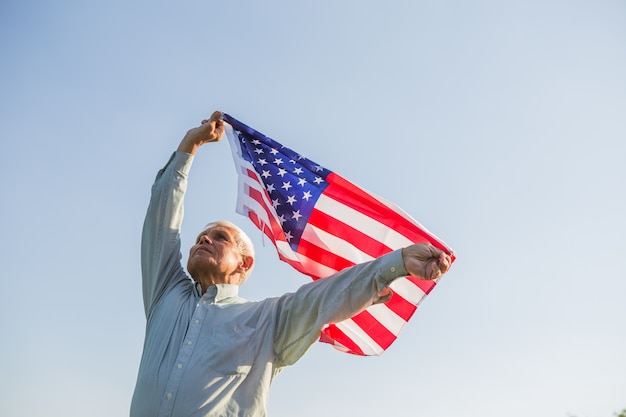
(205, 239)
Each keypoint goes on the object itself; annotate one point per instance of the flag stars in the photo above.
(291, 182)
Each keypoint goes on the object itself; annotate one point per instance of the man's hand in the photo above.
(210, 130)
(425, 261)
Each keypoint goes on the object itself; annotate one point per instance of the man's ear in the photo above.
(246, 263)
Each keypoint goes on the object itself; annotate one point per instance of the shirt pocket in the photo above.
(231, 349)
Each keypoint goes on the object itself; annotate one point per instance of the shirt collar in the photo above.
(219, 292)
(225, 291)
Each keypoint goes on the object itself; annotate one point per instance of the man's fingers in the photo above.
(433, 271)
(219, 124)
(212, 129)
(444, 262)
(217, 115)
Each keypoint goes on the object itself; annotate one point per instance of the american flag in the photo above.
(320, 223)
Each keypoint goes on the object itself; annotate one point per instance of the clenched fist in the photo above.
(425, 261)
(210, 130)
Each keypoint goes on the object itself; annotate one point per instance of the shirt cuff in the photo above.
(392, 266)
(181, 162)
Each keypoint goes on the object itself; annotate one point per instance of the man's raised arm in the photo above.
(160, 242)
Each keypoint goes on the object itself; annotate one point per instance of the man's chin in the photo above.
(198, 267)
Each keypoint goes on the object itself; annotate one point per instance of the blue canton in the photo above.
(294, 183)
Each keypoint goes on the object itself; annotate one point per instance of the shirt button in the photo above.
(169, 396)
(196, 321)
(189, 343)
(393, 269)
(203, 301)
(179, 366)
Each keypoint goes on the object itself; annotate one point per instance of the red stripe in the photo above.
(332, 334)
(425, 285)
(352, 196)
(274, 232)
(261, 225)
(363, 242)
(379, 333)
(323, 256)
(372, 247)
(277, 232)
(401, 306)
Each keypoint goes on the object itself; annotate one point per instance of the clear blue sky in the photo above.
(499, 125)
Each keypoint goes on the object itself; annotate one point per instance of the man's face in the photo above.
(216, 255)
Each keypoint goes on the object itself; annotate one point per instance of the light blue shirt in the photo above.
(216, 354)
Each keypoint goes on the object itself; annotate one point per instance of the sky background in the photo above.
(499, 125)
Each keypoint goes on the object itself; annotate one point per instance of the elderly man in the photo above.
(207, 351)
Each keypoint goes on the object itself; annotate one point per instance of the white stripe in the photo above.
(246, 183)
(367, 345)
(408, 217)
(284, 248)
(407, 290)
(242, 166)
(314, 267)
(334, 244)
(252, 182)
(255, 206)
(361, 222)
(395, 208)
(390, 320)
(246, 203)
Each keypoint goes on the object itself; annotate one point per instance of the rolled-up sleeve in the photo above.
(301, 315)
